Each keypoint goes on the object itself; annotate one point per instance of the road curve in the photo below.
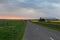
(36, 32)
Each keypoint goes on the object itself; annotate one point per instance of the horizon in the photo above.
(22, 18)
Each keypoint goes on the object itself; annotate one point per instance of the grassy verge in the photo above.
(51, 26)
(12, 29)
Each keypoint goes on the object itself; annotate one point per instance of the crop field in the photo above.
(12, 29)
(51, 25)
(56, 22)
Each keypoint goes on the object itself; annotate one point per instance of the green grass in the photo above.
(12, 29)
(51, 26)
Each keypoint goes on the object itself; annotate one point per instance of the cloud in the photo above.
(57, 5)
(50, 9)
(30, 8)
(23, 1)
(29, 13)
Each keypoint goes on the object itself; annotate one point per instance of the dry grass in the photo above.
(56, 23)
(12, 26)
(1, 27)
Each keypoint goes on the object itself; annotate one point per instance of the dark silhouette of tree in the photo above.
(41, 19)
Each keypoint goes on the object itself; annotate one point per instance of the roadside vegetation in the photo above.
(49, 24)
(12, 29)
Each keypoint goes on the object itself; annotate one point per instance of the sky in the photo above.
(30, 8)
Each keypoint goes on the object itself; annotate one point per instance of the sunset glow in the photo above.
(13, 17)
(10, 17)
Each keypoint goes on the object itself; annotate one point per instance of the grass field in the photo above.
(51, 26)
(12, 29)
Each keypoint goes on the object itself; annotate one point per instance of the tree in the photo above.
(41, 19)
